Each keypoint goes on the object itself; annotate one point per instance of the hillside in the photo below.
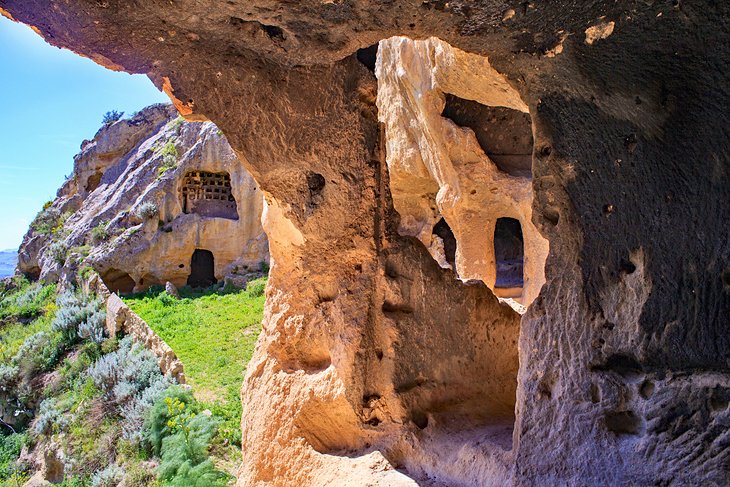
(151, 199)
(90, 410)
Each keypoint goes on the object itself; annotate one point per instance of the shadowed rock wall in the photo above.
(623, 356)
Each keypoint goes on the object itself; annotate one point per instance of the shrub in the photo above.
(131, 381)
(100, 233)
(158, 422)
(93, 327)
(8, 376)
(111, 476)
(111, 116)
(71, 313)
(46, 220)
(58, 252)
(79, 317)
(36, 354)
(169, 157)
(85, 272)
(49, 418)
(147, 210)
(27, 300)
(135, 411)
(10, 447)
(126, 372)
(184, 450)
(177, 124)
(256, 288)
(264, 266)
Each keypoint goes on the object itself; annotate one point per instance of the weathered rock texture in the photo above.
(141, 224)
(378, 367)
(438, 169)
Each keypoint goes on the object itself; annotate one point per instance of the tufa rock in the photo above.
(145, 194)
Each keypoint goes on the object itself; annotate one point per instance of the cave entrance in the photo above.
(509, 256)
(208, 194)
(202, 269)
(443, 231)
(118, 281)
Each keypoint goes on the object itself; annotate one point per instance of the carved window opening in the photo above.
(509, 253)
(443, 231)
(209, 194)
(504, 134)
(202, 269)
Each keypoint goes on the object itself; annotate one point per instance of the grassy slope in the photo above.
(213, 334)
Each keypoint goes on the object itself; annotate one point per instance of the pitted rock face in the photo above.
(623, 372)
(439, 170)
(163, 189)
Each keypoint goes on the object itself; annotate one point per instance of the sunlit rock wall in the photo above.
(623, 373)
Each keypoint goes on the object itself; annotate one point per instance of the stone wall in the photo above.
(120, 318)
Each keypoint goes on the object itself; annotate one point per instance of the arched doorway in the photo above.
(202, 269)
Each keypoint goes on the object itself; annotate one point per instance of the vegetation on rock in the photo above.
(111, 116)
(99, 404)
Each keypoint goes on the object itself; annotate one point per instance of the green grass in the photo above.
(213, 333)
(24, 303)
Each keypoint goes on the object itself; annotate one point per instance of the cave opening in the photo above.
(368, 56)
(504, 134)
(509, 253)
(202, 269)
(472, 164)
(118, 281)
(208, 194)
(443, 231)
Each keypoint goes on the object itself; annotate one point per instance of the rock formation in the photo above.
(439, 170)
(152, 199)
(376, 365)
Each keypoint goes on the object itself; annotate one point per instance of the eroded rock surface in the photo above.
(623, 373)
(439, 170)
(147, 195)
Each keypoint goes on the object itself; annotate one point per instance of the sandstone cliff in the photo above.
(151, 199)
(376, 366)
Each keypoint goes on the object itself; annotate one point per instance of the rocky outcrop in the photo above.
(438, 169)
(145, 195)
(377, 365)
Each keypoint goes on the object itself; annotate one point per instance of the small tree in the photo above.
(111, 117)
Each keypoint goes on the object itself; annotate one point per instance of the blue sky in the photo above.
(52, 99)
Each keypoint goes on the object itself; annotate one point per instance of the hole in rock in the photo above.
(624, 365)
(274, 32)
(315, 183)
(646, 389)
(93, 182)
(443, 231)
(208, 194)
(504, 134)
(420, 419)
(118, 281)
(622, 422)
(202, 269)
(368, 56)
(509, 253)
